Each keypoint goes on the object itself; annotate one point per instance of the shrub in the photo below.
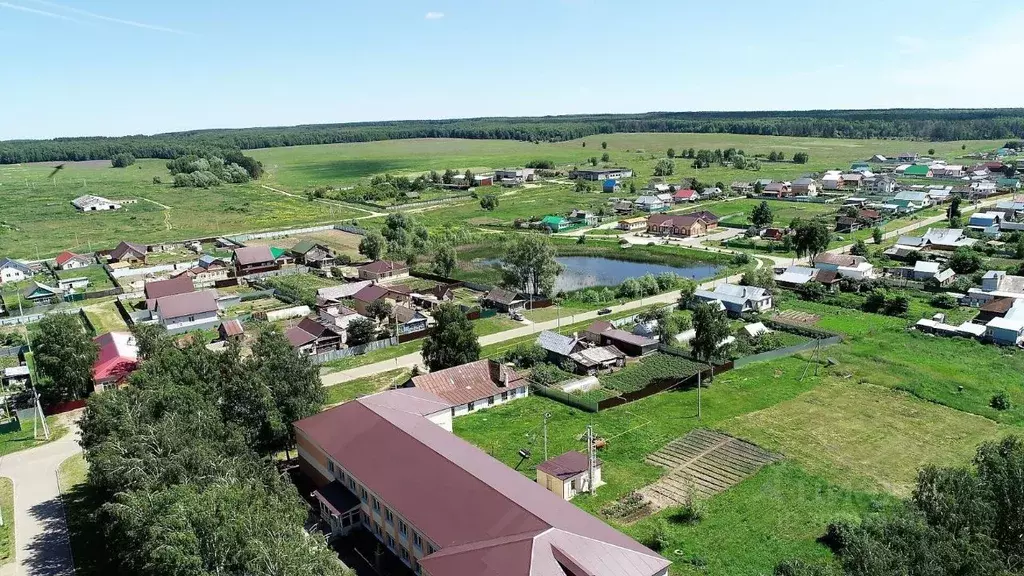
(156, 180)
(837, 535)
(344, 259)
(741, 259)
(875, 301)
(1001, 401)
(944, 301)
(660, 539)
(525, 355)
(813, 291)
(122, 160)
(898, 305)
(548, 374)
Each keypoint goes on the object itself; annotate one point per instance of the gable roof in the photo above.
(11, 263)
(118, 355)
(838, 259)
(803, 181)
(160, 288)
(917, 170)
(370, 293)
(685, 194)
(178, 305)
(232, 328)
(565, 466)
(599, 326)
(249, 255)
(36, 288)
(341, 291)
(485, 517)
(628, 338)
(306, 245)
(382, 266)
(67, 256)
(557, 343)
(128, 248)
(502, 296)
(469, 382)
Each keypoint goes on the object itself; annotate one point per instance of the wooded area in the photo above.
(922, 124)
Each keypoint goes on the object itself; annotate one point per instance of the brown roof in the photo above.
(382, 266)
(501, 296)
(250, 255)
(370, 293)
(678, 221)
(826, 276)
(469, 382)
(997, 305)
(484, 517)
(566, 465)
(161, 288)
(869, 214)
(600, 326)
(298, 337)
(628, 338)
(837, 259)
(404, 314)
(125, 248)
(232, 328)
(705, 215)
(179, 305)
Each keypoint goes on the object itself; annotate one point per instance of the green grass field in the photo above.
(38, 220)
(7, 530)
(105, 318)
(362, 386)
(737, 212)
(98, 277)
(24, 439)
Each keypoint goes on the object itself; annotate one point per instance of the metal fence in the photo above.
(564, 397)
(325, 357)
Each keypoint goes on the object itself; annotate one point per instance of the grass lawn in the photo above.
(494, 324)
(98, 278)
(105, 317)
(80, 504)
(880, 350)
(38, 220)
(651, 369)
(866, 437)
(301, 286)
(362, 386)
(7, 530)
(738, 211)
(374, 356)
(23, 439)
(775, 515)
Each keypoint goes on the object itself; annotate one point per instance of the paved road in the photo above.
(41, 539)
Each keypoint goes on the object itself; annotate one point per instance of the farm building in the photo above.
(569, 474)
(513, 176)
(606, 334)
(602, 173)
(90, 203)
(446, 507)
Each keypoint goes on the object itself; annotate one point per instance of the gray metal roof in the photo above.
(557, 343)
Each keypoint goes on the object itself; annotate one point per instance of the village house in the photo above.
(918, 171)
(569, 474)
(777, 189)
(882, 185)
(1008, 184)
(852, 180)
(906, 158)
(383, 269)
(685, 196)
(336, 294)
(503, 300)
(987, 222)
(736, 299)
(90, 203)
(832, 180)
(610, 186)
(13, 271)
(710, 220)
(910, 201)
(338, 315)
(1007, 330)
(311, 336)
(362, 299)
(924, 270)
(633, 224)
(409, 320)
(558, 346)
(799, 276)
(117, 357)
(743, 188)
(130, 252)
(471, 387)
(461, 511)
(606, 334)
(583, 217)
(257, 259)
(805, 187)
(313, 254)
(41, 293)
(846, 265)
(70, 261)
(206, 276)
(153, 290)
(555, 223)
(676, 225)
(187, 312)
(650, 204)
(996, 284)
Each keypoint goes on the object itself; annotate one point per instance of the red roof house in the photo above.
(118, 357)
(685, 196)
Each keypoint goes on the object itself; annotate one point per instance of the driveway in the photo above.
(41, 535)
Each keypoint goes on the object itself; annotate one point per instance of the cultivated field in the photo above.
(38, 220)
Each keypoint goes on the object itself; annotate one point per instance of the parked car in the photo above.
(604, 311)
(518, 316)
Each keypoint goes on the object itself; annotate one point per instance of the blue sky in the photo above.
(112, 67)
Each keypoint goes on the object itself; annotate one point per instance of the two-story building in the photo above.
(443, 506)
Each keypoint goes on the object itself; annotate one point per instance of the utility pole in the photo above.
(546, 416)
(698, 395)
(590, 458)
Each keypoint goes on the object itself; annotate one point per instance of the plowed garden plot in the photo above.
(702, 464)
(797, 317)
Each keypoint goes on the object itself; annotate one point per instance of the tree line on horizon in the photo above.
(923, 124)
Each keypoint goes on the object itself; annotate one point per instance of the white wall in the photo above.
(186, 322)
(11, 275)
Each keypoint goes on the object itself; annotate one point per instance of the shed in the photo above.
(568, 474)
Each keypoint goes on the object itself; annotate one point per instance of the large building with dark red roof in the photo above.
(442, 505)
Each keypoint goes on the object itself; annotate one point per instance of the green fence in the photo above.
(564, 397)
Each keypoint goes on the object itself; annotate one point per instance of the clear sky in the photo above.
(112, 67)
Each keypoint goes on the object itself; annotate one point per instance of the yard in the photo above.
(737, 212)
(649, 370)
(25, 438)
(363, 386)
(98, 278)
(300, 287)
(105, 317)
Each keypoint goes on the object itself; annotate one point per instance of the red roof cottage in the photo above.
(118, 357)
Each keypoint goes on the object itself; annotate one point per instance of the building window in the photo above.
(490, 400)
(364, 494)
(453, 411)
(504, 396)
(417, 541)
(471, 406)
(391, 541)
(415, 566)
(377, 530)
(405, 554)
(430, 549)
(389, 516)
(352, 483)
(330, 465)
(402, 529)
(376, 505)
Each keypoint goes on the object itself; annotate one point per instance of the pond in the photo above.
(585, 271)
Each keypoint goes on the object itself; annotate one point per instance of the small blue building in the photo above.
(610, 185)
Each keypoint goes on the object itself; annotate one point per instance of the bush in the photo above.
(741, 259)
(898, 305)
(837, 535)
(660, 539)
(343, 259)
(156, 180)
(122, 160)
(944, 301)
(813, 291)
(875, 301)
(1001, 401)
(525, 355)
(547, 374)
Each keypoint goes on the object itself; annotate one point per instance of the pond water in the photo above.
(586, 271)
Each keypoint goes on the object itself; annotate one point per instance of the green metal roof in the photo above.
(917, 170)
(555, 220)
(277, 252)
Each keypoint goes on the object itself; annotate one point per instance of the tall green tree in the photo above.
(293, 380)
(372, 245)
(453, 341)
(811, 237)
(529, 265)
(446, 259)
(876, 235)
(712, 327)
(761, 216)
(64, 355)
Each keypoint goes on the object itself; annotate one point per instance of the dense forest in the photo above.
(930, 124)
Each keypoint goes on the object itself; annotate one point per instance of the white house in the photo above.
(188, 311)
(737, 299)
(13, 271)
(856, 267)
(69, 261)
(569, 474)
(90, 203)
(1008, 330)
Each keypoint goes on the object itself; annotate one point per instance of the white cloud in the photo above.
(36, 12)
(434, 15)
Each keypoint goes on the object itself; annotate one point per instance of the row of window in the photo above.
(389, 516)
(490, 399)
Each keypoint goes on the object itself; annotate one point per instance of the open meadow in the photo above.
(37, 219)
